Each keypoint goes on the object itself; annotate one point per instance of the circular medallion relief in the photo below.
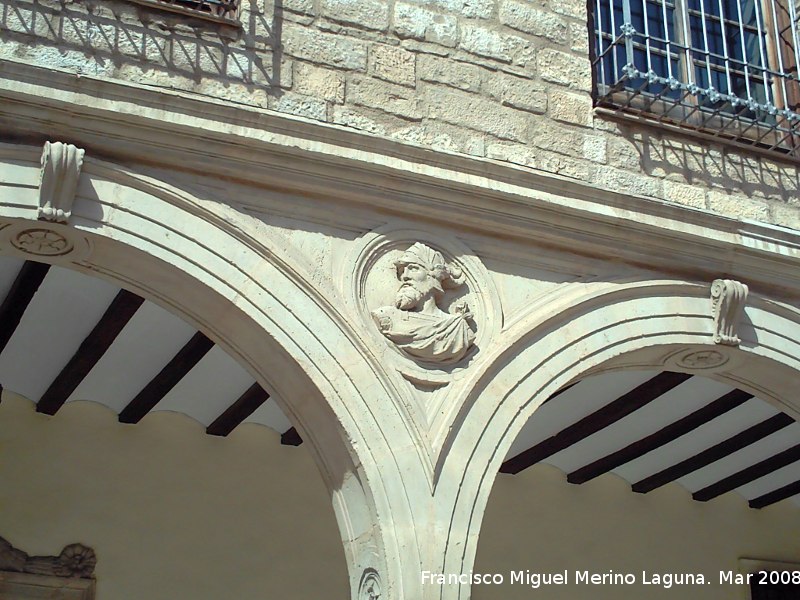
(54, 242)
(431, 303)
(706, 360)
(42, 242)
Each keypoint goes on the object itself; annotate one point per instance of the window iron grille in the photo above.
(728, 68)
(225, 11)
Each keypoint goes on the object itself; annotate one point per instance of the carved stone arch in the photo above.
(587, 330)
(205, 263)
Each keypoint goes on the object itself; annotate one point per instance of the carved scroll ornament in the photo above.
(61, 168)
(75, 560)
(416, 324)
(728, 298)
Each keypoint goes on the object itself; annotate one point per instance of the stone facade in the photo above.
(502, 79)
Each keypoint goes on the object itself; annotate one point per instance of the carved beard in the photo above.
(407, 297)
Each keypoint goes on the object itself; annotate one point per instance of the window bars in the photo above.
(728, 68)
(220, 10)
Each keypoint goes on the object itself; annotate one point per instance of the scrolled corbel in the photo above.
(61, 168)
(728, 298)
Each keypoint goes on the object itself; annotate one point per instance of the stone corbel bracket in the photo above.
(61, 168)
(728, 298)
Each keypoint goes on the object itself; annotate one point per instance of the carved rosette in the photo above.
(53, 242)
(61, 169)
(42, 242)
(728, 298)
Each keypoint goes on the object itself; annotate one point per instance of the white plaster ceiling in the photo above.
(591, 394)
(66, 308)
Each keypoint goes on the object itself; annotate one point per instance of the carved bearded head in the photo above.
(423, 272)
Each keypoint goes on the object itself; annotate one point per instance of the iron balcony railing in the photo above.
(728, 68)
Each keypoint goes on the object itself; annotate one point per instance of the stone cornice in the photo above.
(130, 123)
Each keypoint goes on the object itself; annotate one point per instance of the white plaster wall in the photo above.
(172, 513)
(538, 521)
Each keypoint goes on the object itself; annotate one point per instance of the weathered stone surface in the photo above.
(492, 44)
(624, 153)
(739, 207)
(384, 96)
(518, 92)
(358, 119)
(417, 22)
(305, 7)
(524, 17)
(393, 64)
(785, 214)
(319, 82)
(565, 69)
(627, 182)
(520, 154)
(564, 165)
(570, 108)
(468, 110)
(300, 105)
(568, 140)
(370, 14)
(594, 148)
(579, 38)
(326, 48)
(571, 8)
(681, 193)
(449, 72)
(475, 9)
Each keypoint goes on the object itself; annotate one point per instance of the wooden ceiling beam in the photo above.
(751, 473)
(661, 437)
(237, 412)
(291, 437)
(183, 362)
(91, 350)
(774, 496)
(706, 457)
(16, 302)
(609, 414)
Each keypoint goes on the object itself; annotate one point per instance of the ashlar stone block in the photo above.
(449, 72)
(326, 48)
(493, 44)
(316, 81)
(373, 93)
(393, 64)
(413, 21)
(474, 112)
(370, 14)
(565, 69)
(525, 17)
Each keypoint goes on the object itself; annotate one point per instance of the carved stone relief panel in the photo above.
(67, 576)
(427, 302)
(415, 322)
(53, 242)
